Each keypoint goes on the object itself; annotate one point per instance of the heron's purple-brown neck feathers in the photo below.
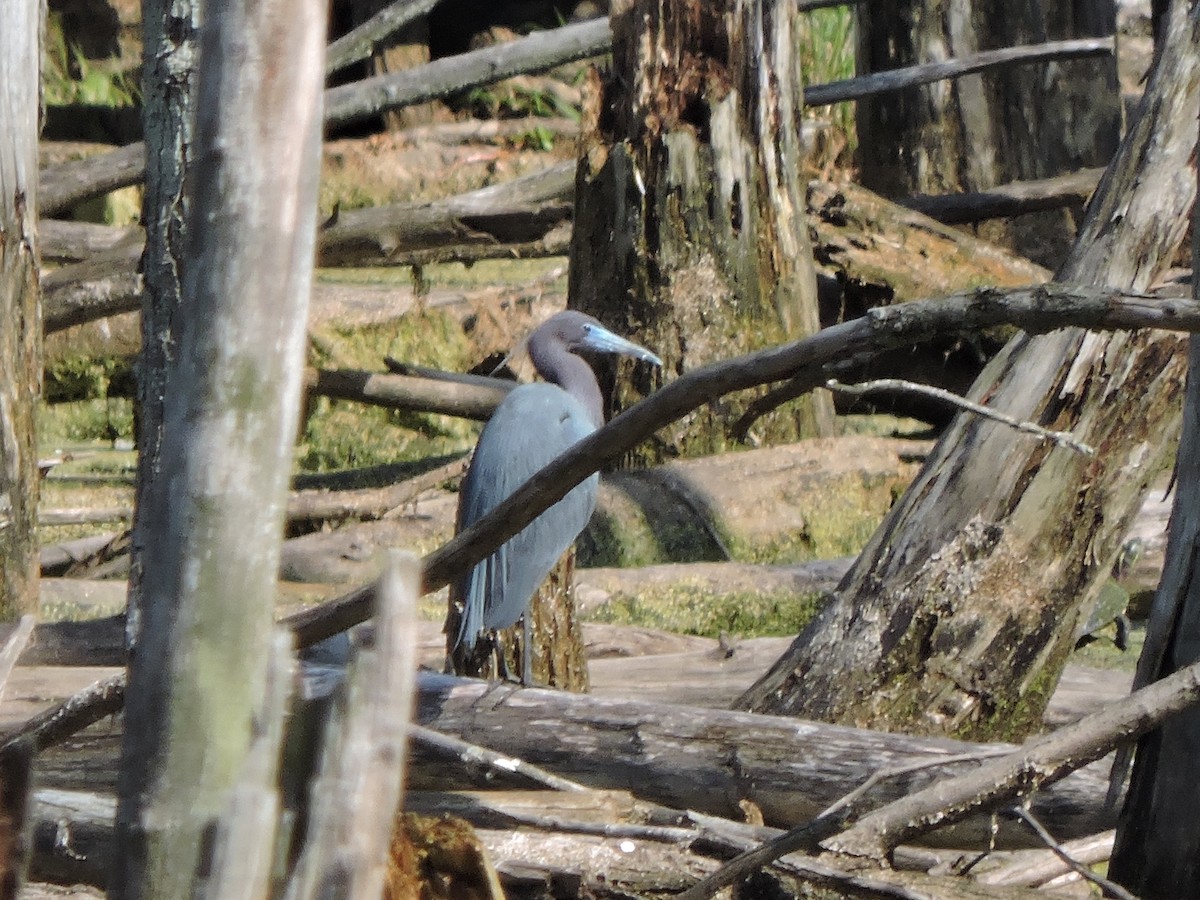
(560, 366)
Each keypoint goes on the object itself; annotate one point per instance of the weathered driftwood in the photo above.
(1157, 839)
(994, 553)
(357, 791)
(523, 210)
(68, 184)
(468, 401)
(20, 338)
(67, 241)
(212, 496)
(361, 42)
(442, 77)
(713, 760)
(1014, 198)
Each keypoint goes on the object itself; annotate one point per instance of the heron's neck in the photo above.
(573, 375)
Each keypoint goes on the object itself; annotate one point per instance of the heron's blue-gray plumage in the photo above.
(534, 424)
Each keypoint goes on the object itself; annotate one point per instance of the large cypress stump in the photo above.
(690, 231)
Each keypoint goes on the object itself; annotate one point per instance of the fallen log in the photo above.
(714, 760)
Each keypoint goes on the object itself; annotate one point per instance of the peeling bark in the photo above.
(690, 228)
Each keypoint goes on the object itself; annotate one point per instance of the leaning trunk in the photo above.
(959, 615)
(690, 228)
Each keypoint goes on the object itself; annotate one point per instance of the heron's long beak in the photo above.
(599, 338)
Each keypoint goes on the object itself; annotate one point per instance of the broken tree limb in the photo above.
(69, 184)
(359, 44)
(442, 77)
(926, 73)
(468, 401)
(1016, 198)
(1025, 773)
(518, 211)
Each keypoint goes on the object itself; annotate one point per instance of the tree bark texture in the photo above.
(690, 228)
(211, 516)
(1157, 849)
(170, 30)
(20, 311)
(959, 614)
(970, 134)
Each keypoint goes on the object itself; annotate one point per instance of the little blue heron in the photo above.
(534, 424)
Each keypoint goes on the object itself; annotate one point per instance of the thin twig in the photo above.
(900, 385)
(500, 762)
(895, 771)
(1110, 888)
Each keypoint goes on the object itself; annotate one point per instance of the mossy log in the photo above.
(689, 208)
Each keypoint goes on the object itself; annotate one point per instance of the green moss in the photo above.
(694, 610)
(341, 434)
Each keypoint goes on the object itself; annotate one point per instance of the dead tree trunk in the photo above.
(690, 226)
(960, 612)
(20, 313)
(211, 519)
(1157, 850)
(981, 130)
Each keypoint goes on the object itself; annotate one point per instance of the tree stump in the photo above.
(690, 228)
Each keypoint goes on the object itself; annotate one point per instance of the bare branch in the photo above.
(360, 43)
(1110, 888)
(1038, 763)
(910, 76)
(901, 385)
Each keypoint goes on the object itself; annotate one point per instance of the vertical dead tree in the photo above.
(960, 612)
(169, 30)
(212, 517)
(1157, 851)
(970, 134)
(20, 312)
(690, 228)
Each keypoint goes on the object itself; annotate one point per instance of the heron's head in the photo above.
(578, 331)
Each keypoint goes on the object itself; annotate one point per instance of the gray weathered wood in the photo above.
(211, 510)
(711, 760)
(355, 798)
(20, 331)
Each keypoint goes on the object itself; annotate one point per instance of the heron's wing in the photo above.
(535, 424)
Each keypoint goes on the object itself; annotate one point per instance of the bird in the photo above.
(533, 425)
